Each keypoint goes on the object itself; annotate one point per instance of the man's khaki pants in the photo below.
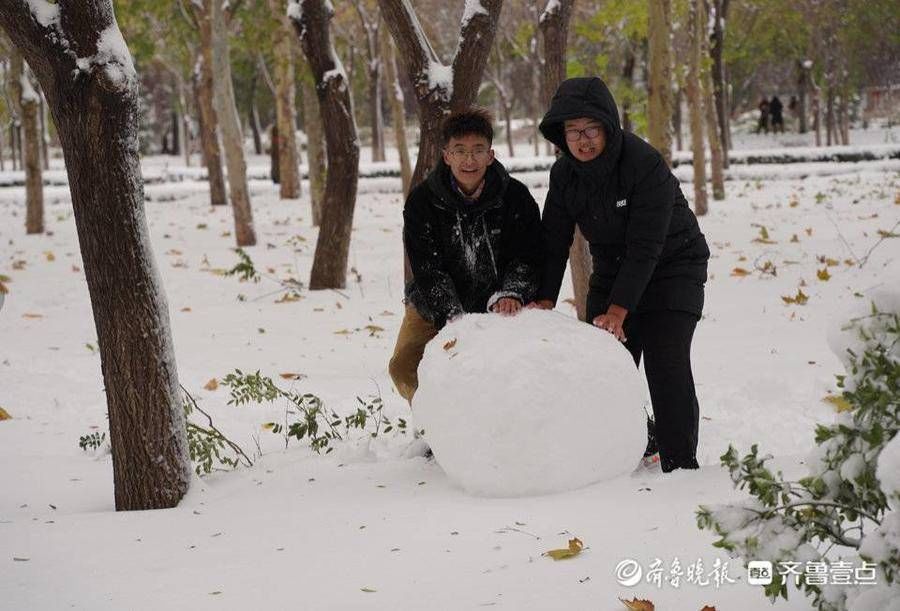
(415, 332)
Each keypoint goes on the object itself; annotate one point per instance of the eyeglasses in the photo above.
(574, 135)
(478, 155)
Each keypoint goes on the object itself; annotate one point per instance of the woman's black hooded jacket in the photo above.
(647, 249)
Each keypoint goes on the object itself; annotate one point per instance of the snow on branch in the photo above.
(430, 76)
(476, 35)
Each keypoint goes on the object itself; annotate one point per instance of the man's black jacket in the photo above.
(465, 256)
(647, 249)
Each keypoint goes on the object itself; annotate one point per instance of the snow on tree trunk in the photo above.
(398, 109)
(230, 125)
(81, 60)
(285, 111)
(695, 106)
(209, 123)
(311, 19)
(659, 94)
(26, 104)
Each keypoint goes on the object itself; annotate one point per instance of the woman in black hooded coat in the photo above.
(649, 256)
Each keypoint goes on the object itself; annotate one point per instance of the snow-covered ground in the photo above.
(366, 526)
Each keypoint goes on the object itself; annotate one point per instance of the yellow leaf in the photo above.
(794, 238)
(449, 345)
(800, 298)
(268, 426)
(740, 271)
(289, 297)
(849, 262)
(212, 384)
(343, 332)
(638, 604)
(368, 590)
(4, 415)
(30, 315)
(50, 256)
(185, 309)
(292, 376)
(840, 403)
(575, 547)
(823, 274)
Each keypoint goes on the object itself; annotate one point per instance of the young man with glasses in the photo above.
(473, 238)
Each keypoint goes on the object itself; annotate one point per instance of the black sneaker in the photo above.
(652, 447)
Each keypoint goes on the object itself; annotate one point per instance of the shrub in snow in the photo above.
(846, 512)
(530, 404)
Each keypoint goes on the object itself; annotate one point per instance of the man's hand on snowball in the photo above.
(507, 306)
(612, 321)
(540, 304)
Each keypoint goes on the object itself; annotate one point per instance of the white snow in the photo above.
(472, 8)
(530, 404)
(329, 526)
(46, 13)
(888, 471)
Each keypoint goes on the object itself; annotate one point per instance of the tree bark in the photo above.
(274, 154)
(311, 19)
(96, 113)
(435, 99)
(315, 149)
(716, 161)
(803, 87)
(717, 48)
(230, 124)
(255, 128)
(694, 93)
(659, 102)
(285, 110)
(45, 133)
(554, 25)
(26, 104)
(371, 26)
(209, 123)
(185, 124)
(398, 108)
(676, 118)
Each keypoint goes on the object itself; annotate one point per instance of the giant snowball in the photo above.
(529, 404)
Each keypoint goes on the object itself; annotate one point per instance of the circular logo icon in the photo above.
(629, 572)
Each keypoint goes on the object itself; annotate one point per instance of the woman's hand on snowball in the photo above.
(613, 321)
(540, 304)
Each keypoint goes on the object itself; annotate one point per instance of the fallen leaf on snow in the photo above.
(211, 385)
(373, 329)
(449, 345)
(840, 403)
(800, 298)
(638, 604)
(708, 608)
(740, 272)
(4, 415)
(19, 265)
(30, 315)
(823, 274)
(292, 376)
(575, 547)
(50, 256)
(185, 309)
(368, 590)
(343, 332)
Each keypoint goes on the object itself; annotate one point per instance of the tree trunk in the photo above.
(315, 148)
(230, 124)
(716, 161)
(209, 123)
(26, 104)
(717, 48)
(817, 114)
(659, 95)
(844, 113)
(285, 110)
(97, 118)
(176, 133)
(829, 115)
(398, 108)
(14, 144)
(329, 269)
(695, 105)
(185, 125)
(628, 77)
(45, 134)
(274, 154)
(676, 119)
(803, 87)
(255, 128)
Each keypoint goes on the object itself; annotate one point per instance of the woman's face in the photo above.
(585, 138)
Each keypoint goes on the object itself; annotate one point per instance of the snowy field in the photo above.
(367, 526)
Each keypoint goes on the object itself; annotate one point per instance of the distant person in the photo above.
(649, 255)
(776, 109)
(794, 109)
(763, 125)
(473, 237)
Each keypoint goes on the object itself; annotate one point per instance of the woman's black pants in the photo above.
(663, 339)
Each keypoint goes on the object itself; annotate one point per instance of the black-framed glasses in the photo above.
(574, 135)
(478, 155)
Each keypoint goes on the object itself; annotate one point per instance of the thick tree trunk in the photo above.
(209, 123)
(26, 104)
(45, 135)
(659, 98)
(285, 111)
(694, 93)
(97, 117)
(676, 119)
(717, 48)
(716, 161)
(230, 124)
(274, 154)
(398, 108)
(329, 269)
(315, 149)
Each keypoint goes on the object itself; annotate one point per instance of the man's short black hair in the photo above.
(474, 120)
